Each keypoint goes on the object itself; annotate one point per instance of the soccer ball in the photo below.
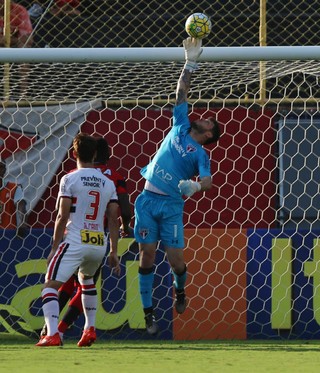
(198, 25)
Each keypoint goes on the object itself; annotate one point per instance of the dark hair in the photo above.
(103, 154)
(215, 132)
(85, 146)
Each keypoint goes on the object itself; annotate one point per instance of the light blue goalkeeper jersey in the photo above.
(178, 158)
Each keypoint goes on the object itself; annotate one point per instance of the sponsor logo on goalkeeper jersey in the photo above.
(163, 174)
(178, 146)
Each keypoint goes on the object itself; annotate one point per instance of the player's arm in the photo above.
(126, 214)
(205, 183)
(60, 223)
(192, 48)
(113, 227)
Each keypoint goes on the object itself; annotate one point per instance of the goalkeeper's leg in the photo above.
(179, 271)
(146, 277)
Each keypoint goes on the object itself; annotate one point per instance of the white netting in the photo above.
(155, 80)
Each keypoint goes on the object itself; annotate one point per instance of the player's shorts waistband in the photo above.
(157, 195)
(153, 189)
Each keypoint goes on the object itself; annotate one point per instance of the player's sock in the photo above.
(63, 299)
(179, 282)
(89, 302)
(146, 276)
(50, 307)
(73, 312)
(76, 301)
(180, 279)
(69, 318)
(62, 327)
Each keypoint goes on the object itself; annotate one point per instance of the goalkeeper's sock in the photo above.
(180, 279)
(146, 276)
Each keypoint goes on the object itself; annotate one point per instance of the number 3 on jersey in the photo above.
(94, 205)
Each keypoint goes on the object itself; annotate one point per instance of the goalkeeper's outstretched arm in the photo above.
(192, 48)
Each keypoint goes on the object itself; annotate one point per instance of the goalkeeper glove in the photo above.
(192, 51)
(189, 187)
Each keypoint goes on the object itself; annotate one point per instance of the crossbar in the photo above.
(87, 55)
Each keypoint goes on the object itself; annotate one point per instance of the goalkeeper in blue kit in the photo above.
(159, 208)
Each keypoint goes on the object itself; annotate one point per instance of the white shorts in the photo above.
(69, 257)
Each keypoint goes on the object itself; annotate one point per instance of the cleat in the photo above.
(50, 340)
(88, 337)
(151, 325)
(180, 302)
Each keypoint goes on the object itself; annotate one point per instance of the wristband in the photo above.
(191, 66)
(197, 185)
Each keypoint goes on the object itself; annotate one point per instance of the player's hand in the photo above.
(125, 231)
(189, 187)
(114, 263)
(192, 49)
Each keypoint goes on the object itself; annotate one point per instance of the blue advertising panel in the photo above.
(120, 315)
(283, 282)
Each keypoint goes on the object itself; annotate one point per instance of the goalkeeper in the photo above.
(168, 177)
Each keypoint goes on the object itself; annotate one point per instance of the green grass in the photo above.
(20, 355)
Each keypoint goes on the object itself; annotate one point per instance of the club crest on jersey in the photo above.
(144, 233)
(191, 148)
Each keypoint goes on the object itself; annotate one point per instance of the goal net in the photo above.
(249, 241)
(252, 246)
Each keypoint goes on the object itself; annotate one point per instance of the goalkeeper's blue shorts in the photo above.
(159, 217)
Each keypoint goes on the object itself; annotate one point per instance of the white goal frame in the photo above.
(85, 55)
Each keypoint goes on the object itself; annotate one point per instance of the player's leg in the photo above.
(172, 236)
(146, 234)
(146, 278)
(179, 271)
(73, 311)
(50, 308)
(61, 267)
(88, 269)
(75, 308)
(65, 292)
(89, 303)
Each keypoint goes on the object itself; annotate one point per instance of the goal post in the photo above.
(252, 241)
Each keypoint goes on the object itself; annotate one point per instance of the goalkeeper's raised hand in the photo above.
(192, 51)
(189, 187)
